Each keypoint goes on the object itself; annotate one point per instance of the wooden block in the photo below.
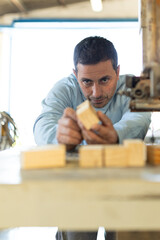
(87, 114)
(137, 152)
(153, 154)
(116, 156)
(48, 156)
(91, 156)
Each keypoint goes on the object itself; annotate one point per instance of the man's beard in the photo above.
(102, 100)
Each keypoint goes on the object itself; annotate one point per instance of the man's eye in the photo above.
(104, 80)
(87, 82)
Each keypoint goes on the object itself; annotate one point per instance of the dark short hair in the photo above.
(92, 50)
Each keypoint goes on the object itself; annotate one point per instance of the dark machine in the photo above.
(144, 90)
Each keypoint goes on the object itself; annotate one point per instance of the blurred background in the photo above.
(37, 40)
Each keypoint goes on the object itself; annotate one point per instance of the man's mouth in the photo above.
(97, 101)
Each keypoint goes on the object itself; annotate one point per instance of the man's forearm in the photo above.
(45, 131)
(133, 125)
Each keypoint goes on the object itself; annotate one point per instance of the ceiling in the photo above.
(18, 9)
(16, 6)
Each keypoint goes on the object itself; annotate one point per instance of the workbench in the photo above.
(121, 199)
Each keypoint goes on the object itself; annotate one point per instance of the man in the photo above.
(96, 78)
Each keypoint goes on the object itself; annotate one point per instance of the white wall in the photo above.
(4, 70)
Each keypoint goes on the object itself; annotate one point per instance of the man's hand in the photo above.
(100, 133)
(69, 132)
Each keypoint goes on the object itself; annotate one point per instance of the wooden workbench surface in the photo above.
(79, 199)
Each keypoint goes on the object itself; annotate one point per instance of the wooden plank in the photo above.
(87, 114)
(44, 157)
(116, 204)
(116, 198)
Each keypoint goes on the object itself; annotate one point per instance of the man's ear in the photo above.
(118, 71)
(74, 72)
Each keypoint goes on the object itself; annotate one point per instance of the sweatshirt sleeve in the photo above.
(45, 127)
(133, 125)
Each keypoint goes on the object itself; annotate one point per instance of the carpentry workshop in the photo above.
(80, 119)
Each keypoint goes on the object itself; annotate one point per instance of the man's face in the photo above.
(98, 82)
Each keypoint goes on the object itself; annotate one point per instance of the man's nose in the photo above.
(96, 90)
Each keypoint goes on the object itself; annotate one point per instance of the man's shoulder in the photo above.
(122, 78)
(67, 90)
(120, 99)
(122, 81)
(65, 85)
(67, 81)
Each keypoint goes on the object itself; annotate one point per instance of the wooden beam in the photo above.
(19, 5)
